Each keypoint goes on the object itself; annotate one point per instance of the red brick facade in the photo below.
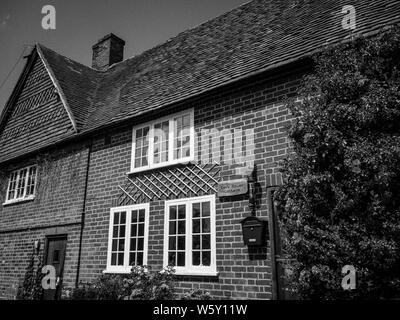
(56, 210)
(242, 273)
(62, 192)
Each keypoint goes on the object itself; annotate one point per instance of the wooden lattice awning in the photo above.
(183, 181)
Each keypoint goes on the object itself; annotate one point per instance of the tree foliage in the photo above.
(340, 199)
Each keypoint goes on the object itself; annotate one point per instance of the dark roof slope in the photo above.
(77, 82)
(257, 36)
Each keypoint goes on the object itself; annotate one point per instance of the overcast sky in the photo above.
(79, 24)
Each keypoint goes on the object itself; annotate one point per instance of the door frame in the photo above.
(50, 237)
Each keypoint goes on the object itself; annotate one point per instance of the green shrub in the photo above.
(31, 288)
(196, 295)
(340, 202)
(140, 284)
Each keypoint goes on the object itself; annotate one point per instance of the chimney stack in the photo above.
(107, 51)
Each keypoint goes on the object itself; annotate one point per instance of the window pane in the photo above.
(176, 240)
(205, 244)
(206, 258)
(182, 136)
(137, 237)
(181, 227)
(139, 261)
(172, 258)
(181, 212)
(172, 243)
(172, 213)
(140, 245)
(21, 183)
(172, 227)
(141, 230)
(196, 258)
(132, 258)
(181, 243)
(12, 186)
(196, 210)
(122, 231)
(121, 259)
(30, 188)
(205, 225)
(196, 225)
(141, 215)
(118, 238)
(113, 259)
(141, 147)
(196, 242)
(205, 206)
(161, 137)
(181, 259)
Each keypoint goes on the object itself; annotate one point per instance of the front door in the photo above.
(55, 256)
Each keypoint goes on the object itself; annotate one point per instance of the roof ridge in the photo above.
(65, 57)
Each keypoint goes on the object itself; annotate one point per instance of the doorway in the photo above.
(55, 256)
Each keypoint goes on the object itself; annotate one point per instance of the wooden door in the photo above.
(55, 256)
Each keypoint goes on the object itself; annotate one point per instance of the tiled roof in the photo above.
(255, 37)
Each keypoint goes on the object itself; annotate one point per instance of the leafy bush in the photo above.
(196, 295)
(31, 288)
(340, 200)
(140, 284)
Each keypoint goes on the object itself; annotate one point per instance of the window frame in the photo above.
(189, 269)
(171, 136)
(24, 196)
(126, 268)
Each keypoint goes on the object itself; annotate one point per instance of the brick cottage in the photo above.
(156, 159)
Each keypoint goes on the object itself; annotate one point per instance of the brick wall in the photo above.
(242, 273)
(57, 208)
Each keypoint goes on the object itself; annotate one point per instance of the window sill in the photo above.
(11, 202)
(194, 273)
(161, 166)
(118, 271)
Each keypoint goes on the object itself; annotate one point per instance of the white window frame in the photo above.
(189, 269)
(126, 268)
(171, 137)
(24, 196)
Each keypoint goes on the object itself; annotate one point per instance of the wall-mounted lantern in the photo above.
(254, 231)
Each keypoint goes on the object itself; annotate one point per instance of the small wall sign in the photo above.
(232, 188)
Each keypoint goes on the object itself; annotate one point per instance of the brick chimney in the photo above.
(107, 51)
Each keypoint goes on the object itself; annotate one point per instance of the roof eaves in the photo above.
(58, 87)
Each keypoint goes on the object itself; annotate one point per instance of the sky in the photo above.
(80, 23)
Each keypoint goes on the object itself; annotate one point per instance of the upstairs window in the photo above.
(163, 142)
(21, 185)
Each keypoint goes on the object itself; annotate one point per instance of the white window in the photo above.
(128, 238)
(21, 185)
(189, 240)
(163, 142)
